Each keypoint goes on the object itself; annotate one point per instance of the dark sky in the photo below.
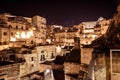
(66, 13)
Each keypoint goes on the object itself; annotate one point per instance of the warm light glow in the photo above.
(94, 36)
(48, 40)
(29, 34)
(17, 35)
(47, 71)
(58, 50)
(12, 39)
(23, 35)
(53, 40)
(88, 31)
(84, 35)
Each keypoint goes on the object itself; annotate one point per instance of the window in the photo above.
(52, 55)
(16, 27)
(42, 51)
(11, 33)
(32, 59)
(10, 26)
(22, 28)
(42, 58)
(4, 33)
(32, 65)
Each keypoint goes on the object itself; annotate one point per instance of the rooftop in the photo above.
(74, 56)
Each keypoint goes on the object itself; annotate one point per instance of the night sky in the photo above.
(65, 13)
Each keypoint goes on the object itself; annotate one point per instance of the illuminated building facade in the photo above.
(66, 36)
(50, 37)
(40, 25)
(15, 30)
(87, 32)
(101, 26)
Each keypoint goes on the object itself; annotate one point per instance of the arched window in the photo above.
(16, 27)
(10, 26)
(52, 55)
(42, 58)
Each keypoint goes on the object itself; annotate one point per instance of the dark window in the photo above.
(12, 57)
(21, 27)
(4, 33)
(16, 27)
(4, 42)
(11, 33)
(52, 55)
(10, 26)
(42, 51)
(42, 58)
(32, 59)
(32, 65)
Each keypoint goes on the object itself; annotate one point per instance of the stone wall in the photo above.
(71, 68)
(56, 66)
(86, 55)
(10, 71)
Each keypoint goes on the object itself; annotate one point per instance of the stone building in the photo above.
(72, 62)
(87, 32)
(30, 65)
(101, 26)
(40, 25)
(66, 36)
(28, 61)
(106, 52)
(18, 30)
(14, 30)
(46, 52)
(50, 35)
